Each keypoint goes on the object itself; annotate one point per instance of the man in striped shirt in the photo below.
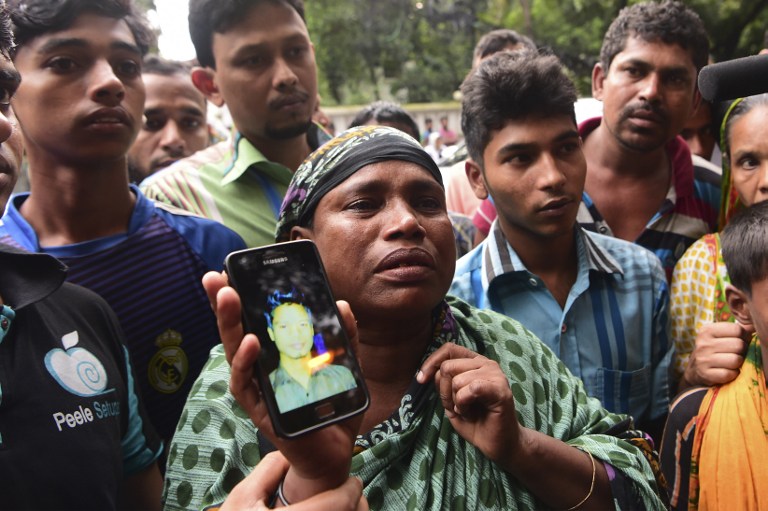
(641, 183)
(598, 302)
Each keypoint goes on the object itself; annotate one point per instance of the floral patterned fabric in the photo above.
(697, 296)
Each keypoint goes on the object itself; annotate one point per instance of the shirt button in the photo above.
(603, 229)
(532, 281)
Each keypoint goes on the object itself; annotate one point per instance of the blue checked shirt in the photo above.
(613, 331)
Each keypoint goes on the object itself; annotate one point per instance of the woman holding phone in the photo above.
(468, 409)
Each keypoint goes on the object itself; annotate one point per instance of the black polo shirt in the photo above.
(71, 423)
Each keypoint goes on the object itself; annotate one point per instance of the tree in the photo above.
(441, 55)
(416, 51)
(574, 30)
(420, 50)
(736, 27)
(331, 27)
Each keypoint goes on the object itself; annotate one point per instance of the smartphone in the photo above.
(308, 374)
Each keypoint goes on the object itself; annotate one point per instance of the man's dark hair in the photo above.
(278, 298)
(512, 86)
(386, 111)
(157, 65)
(33, 18)
(500, 39)
(6, 32)
(670, 22)
(744, 243)
(209, 16)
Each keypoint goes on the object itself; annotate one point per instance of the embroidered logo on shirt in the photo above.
(168, 368)
(76, 369)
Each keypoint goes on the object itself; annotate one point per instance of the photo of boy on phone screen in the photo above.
(301, 378)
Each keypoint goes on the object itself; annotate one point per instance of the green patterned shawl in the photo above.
(415, 460)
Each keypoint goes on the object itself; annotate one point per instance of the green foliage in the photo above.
(574, 29)
(402, 49)
(333, 29)
(736, 27)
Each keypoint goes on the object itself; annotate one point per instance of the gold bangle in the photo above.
(591, 485)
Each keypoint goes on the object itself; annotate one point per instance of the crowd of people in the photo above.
(565, 314)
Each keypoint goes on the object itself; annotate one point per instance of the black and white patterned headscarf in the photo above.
(338, 159)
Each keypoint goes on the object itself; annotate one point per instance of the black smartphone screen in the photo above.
(308, 374)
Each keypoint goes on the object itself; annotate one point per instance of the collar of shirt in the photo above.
(281, 377)
(244, 155)
(23, 233)
(26, 277)
(499, 258)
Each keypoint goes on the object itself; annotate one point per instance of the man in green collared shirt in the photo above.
(256, 57)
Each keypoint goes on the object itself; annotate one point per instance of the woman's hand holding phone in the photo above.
(319, 460)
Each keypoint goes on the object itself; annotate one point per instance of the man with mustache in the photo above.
(598, 302)
(256, 57)
(79, 106)
(641, 184)
(174, 123)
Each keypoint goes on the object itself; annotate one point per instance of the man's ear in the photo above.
(271, 333)
(598, 77)
(476, 179)
(204, 78)
(738, 302)
(300, 233)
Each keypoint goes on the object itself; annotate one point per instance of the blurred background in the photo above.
(417, 52)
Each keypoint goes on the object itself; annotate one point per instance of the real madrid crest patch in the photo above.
(168, 367)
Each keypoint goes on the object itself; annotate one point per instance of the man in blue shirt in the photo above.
(600, 303)
(79, 106)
